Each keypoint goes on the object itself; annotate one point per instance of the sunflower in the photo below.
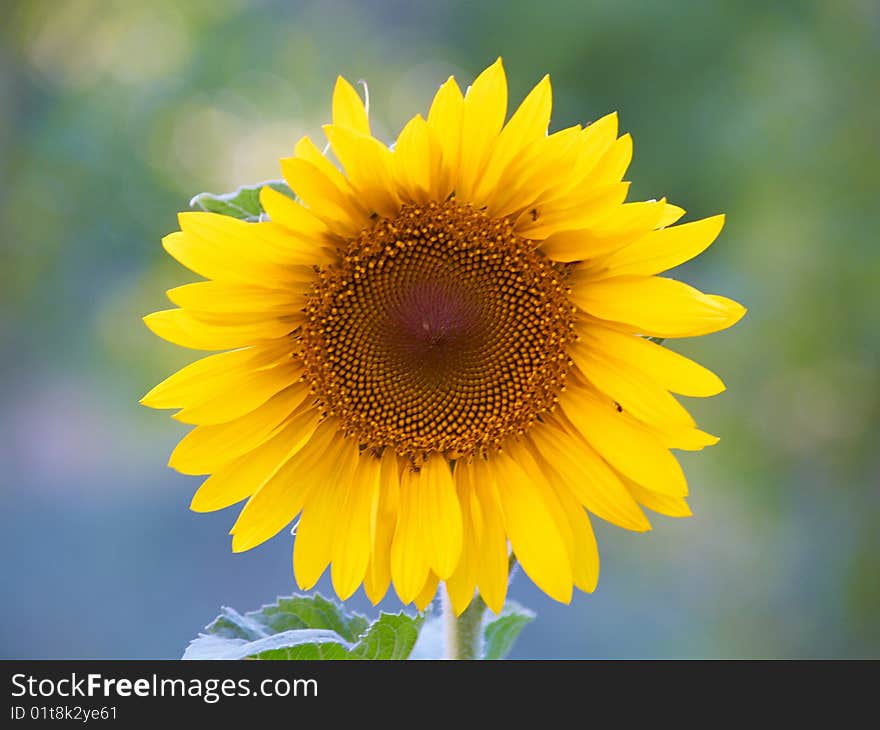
(442, 350)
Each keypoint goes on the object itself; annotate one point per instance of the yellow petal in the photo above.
(623, 442)
(533, 531)
(426, 595)
(611, 231)
(206, 448)
(492, 566)
(585, 551)
(334, 207)
(284, 492)
(441, 515)
(538, 172)
(369, 165)
(307, 150)
(318, 526)
(409, 551)
(241, 395)
(596, 164)
(485, 107)
(596, 140)
(383, 521)
(241, 477)
(571, 213)
(634, 218)
(417, 162)
(688, 439)
(613, 164)
(219, 297)
(186, 329)
(225, 259)
(527, 125)
(628, 386)
(583, 472)
(351, 547)
(657, 306)
(259, 252)
(348, 109)
(444, 122)
(204, 378)
(670, 215)
(293, 216)
(540, 481)
(378, 579)
(661, 250)
(663, 504)
(461, 585)
(582, 244)
(673, 371)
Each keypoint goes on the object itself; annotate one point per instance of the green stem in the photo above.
(464, 634)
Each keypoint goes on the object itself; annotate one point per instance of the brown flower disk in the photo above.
(439, 330)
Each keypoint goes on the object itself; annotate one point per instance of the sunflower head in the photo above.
(440, 330)
(438, 351)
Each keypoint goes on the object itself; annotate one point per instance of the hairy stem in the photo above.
(464, 634)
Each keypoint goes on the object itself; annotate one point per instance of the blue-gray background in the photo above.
(115, 113)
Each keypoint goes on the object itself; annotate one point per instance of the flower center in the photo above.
(439, 330)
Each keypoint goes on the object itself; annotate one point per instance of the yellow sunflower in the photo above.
(440, 351)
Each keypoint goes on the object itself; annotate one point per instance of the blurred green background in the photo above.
(115, 113)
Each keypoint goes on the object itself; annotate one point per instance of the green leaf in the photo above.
(305, 649)
(313, 612)
(243, 203)
(296, 644)
(391, 636)
(305, 627)
(500, 633)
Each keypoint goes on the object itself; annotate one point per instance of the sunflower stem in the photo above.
(464, 634)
